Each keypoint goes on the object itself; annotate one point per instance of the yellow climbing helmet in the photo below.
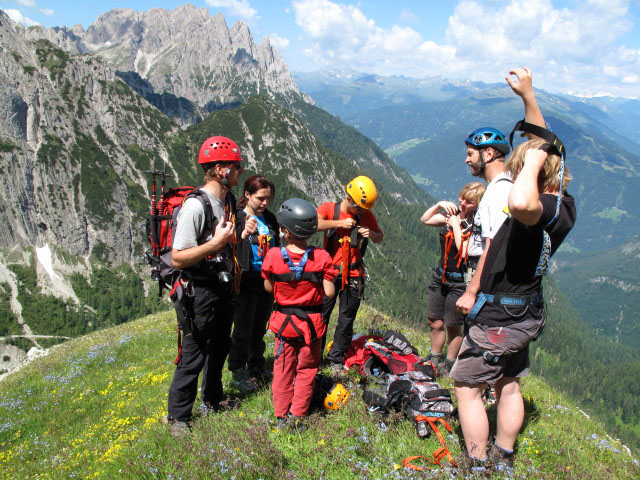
(363, 191)
(337, 397)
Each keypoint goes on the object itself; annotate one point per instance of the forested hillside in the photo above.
(600, 373)
(604, 289)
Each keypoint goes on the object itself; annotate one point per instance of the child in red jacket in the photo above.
(299, 275)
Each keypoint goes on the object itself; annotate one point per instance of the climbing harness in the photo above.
(296, 273)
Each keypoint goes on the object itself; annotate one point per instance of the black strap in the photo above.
(210, 220)
(538, 131)
(331, 234)
(475, 351)
(300, 311)
(353, 266)
(315, 277)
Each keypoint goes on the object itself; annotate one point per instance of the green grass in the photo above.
(400, 148)
(614, 214)
(92, 409)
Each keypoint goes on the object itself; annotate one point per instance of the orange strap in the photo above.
(462, 254)
(440, 453)
(449, 238)
(346, 259)
(237, 270)
(448, 242)
(177, 360)
(263, 244)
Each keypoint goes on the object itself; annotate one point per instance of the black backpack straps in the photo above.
(315, 277)
(547, 135)
(210, 219)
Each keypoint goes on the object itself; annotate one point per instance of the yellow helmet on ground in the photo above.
(337, 397)
(363, 191)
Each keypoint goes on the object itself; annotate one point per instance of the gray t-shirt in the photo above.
(191, 222)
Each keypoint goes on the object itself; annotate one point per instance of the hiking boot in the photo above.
(296, 424)
(243, 382)
(262, 375)
(282, 423)
(501, 460)
(475, 467)
(446, 366)
(179, 428)
(435, 359)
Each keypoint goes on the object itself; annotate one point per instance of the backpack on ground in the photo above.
(413, 393)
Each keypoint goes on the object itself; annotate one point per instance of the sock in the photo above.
(504, 450)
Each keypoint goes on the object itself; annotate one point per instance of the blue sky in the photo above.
(581, 46)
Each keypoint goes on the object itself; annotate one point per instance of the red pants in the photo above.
(294, 374)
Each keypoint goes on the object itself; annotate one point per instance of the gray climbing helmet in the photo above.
(299, 217)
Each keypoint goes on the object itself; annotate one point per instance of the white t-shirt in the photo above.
(191, 222)
(491, 213)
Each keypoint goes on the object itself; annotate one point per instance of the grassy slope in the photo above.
(91, 409)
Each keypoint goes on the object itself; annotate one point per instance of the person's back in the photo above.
(300, 276)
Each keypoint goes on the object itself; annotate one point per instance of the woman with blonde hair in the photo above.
(447, 278)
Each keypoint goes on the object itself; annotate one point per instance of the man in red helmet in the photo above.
(203, 254)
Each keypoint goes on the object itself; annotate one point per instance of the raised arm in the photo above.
(522, 86)
(432, 218)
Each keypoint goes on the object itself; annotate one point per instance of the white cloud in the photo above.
(407, 16)
(32, 4)
(568, 48)
(240, 8)
(18, 17)
(278, 41)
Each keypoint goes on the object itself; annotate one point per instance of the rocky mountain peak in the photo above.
(185, 53)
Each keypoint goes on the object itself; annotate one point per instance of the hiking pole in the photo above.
(164, 174)
(154, 211)
(161, 214)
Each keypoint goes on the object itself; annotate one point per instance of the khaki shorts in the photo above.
(510, 343)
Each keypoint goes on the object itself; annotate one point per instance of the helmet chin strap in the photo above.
(483, 162)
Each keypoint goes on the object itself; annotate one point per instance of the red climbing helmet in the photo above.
(219, 149)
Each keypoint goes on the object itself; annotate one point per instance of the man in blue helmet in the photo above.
(486, 151)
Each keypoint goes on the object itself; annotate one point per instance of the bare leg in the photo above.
(454, 340)
(438, 334)
(473, 418)
(510, 411)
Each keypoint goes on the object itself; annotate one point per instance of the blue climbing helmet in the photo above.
(488, 137)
